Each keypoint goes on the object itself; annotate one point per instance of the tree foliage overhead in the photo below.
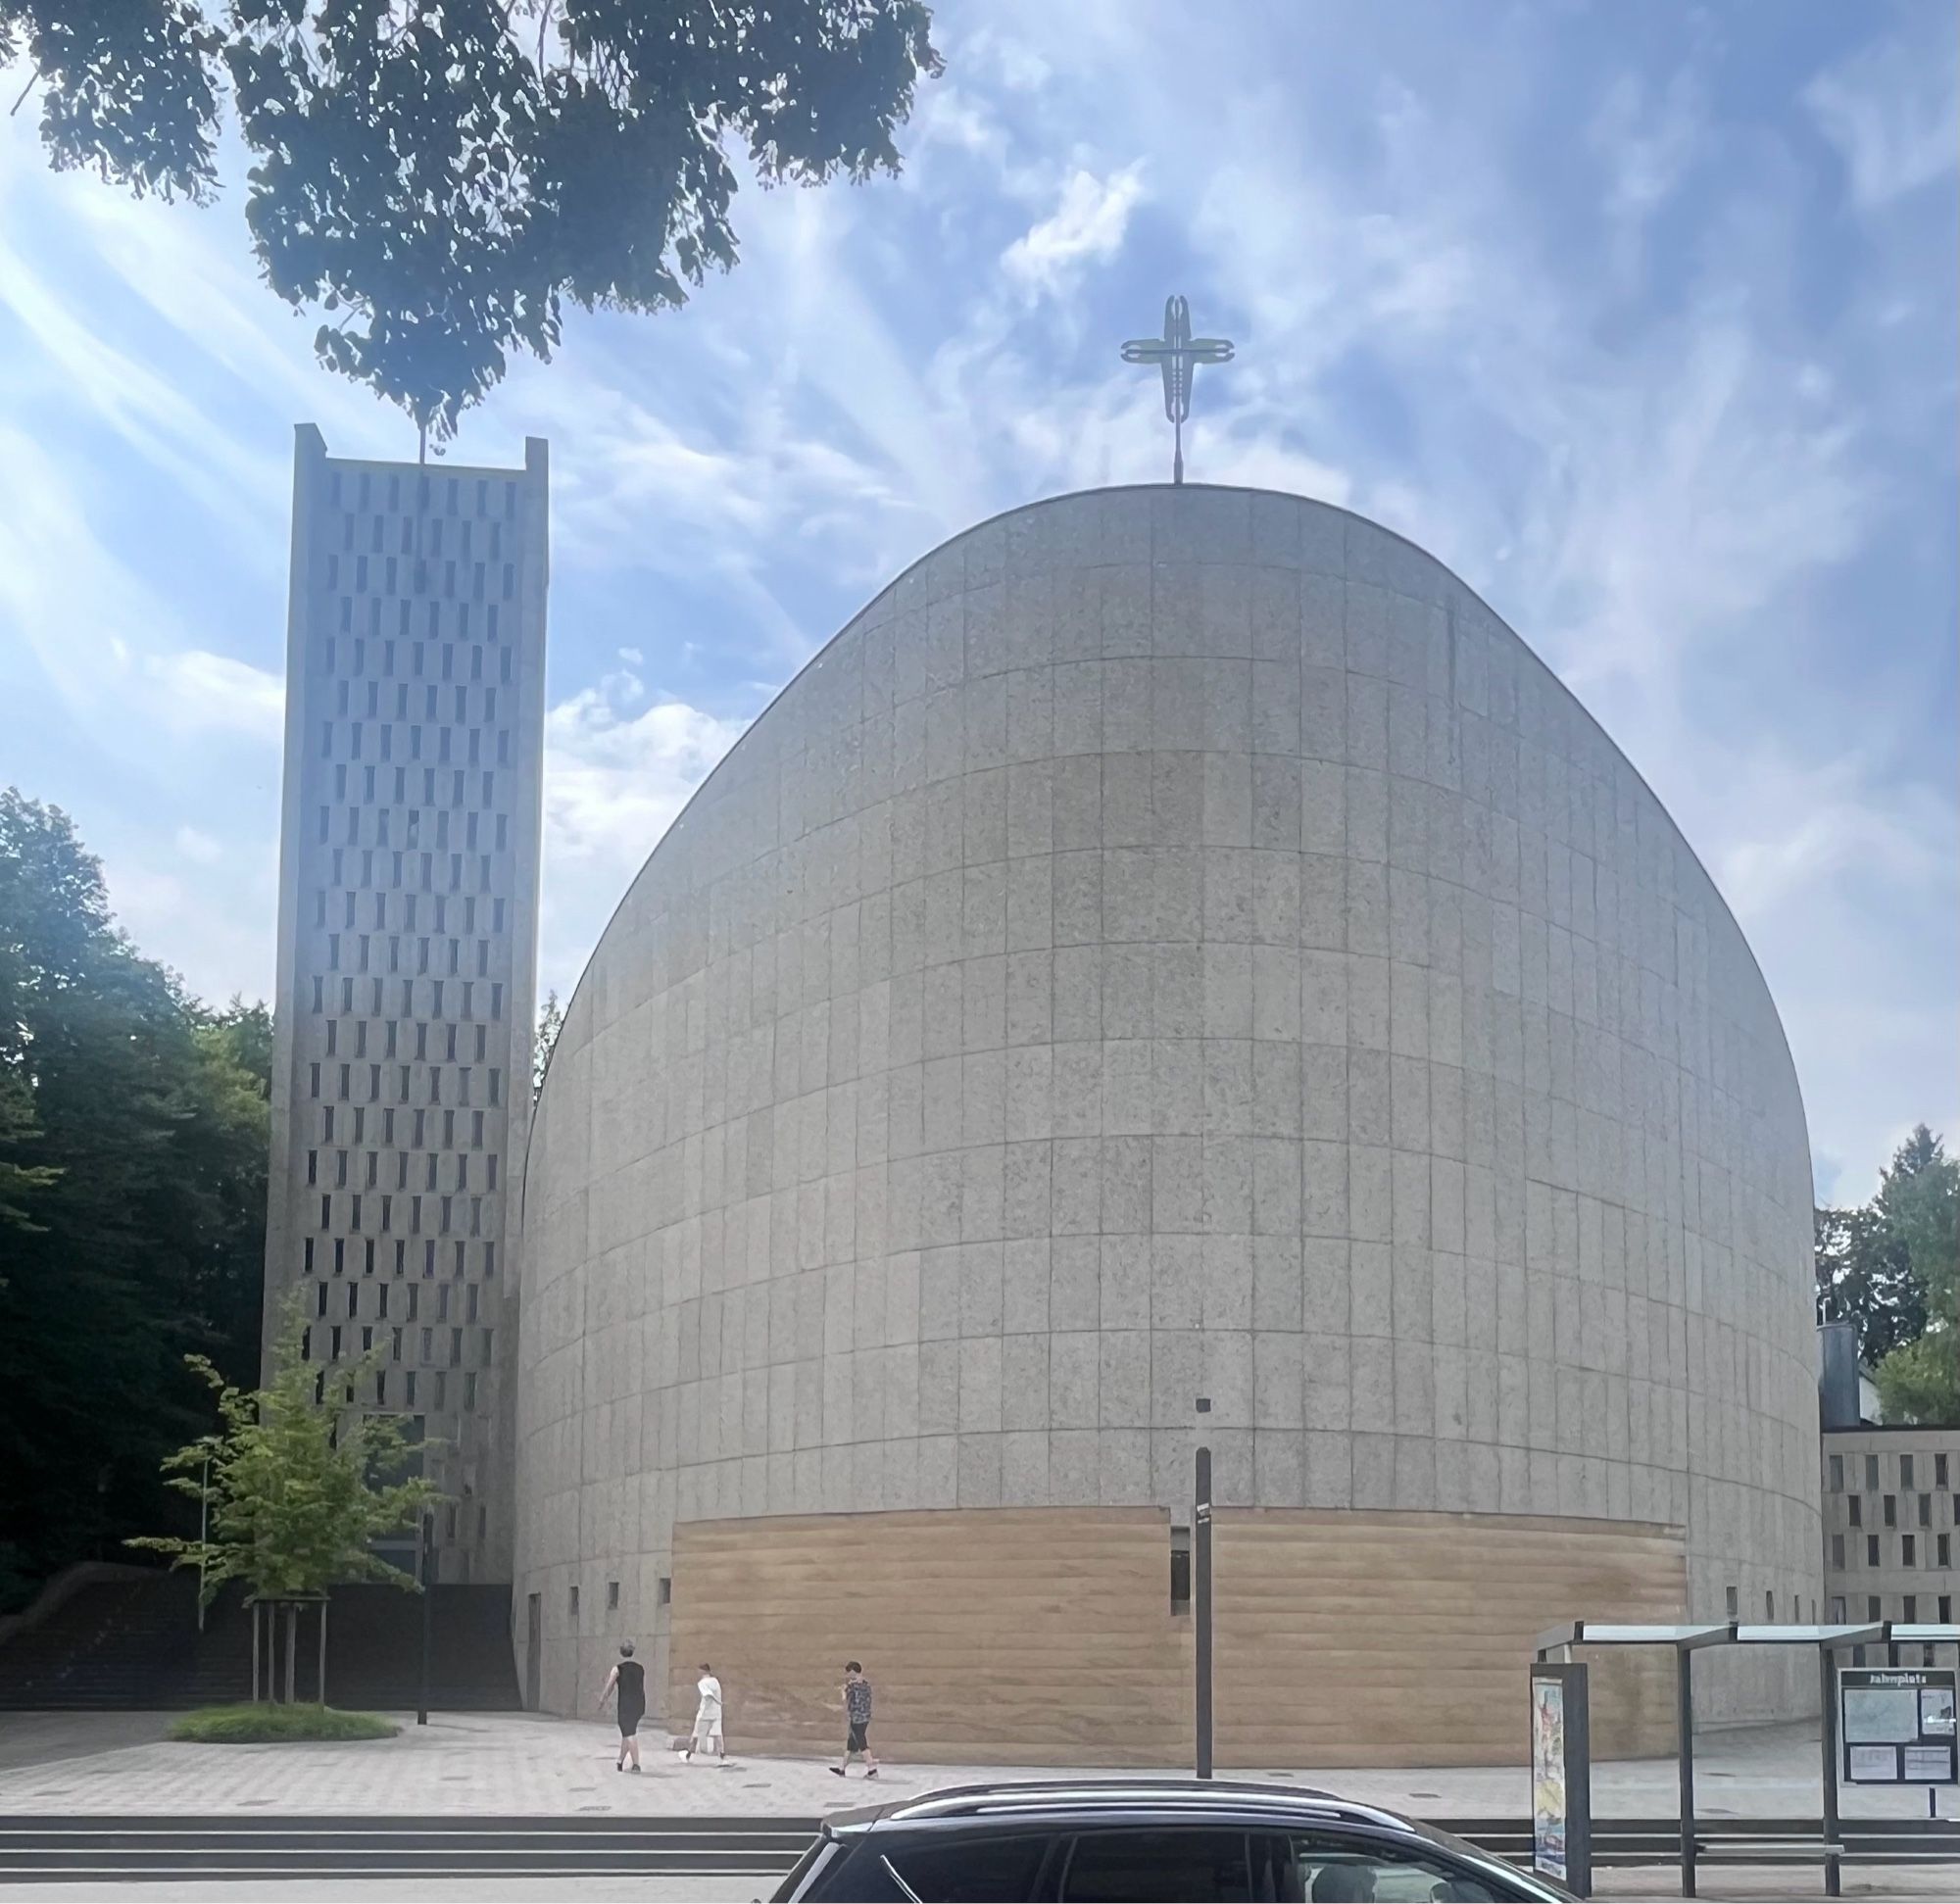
(132, 1160)
(442, 176)
(300, 1481)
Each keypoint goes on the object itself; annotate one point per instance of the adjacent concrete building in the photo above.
(1171, 943)
(407, 945)
(1891, 1517)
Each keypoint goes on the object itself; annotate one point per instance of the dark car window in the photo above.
(801, 1877)
(1157, 1867)
(861, 1876)
(969, 1868)
(1336, 1870)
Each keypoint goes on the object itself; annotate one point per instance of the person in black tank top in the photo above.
(630, 1678)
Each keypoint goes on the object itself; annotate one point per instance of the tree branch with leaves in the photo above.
(441, 176)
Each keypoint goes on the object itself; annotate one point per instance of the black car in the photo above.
(1154, 1840)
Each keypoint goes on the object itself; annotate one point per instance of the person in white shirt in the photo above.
(706, 1735)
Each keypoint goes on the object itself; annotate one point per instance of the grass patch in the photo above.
(260, 1725)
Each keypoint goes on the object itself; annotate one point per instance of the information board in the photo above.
(1895, 1725)
(1561, 1777)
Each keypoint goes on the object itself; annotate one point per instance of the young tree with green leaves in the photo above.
(299, 1482)
(441, 176)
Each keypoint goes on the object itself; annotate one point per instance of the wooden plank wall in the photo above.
(1044, 1636)
(1036, 1637)
(1348, 1639)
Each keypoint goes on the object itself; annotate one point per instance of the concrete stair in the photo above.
(244, 1849)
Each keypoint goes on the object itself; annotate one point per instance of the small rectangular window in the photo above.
(1909, 1609)
(1871, 1550)
(1890, 1507)
(666, 1591)
(1926, 1510)
(1854, 1505)
(573, 1601)
(1870, 1474)
(1943, 1551)
(1940, 1471)
(612, 1596)
(1837, 1551)
(1872, 1605)
(1836, 1474)
(1837, 1610)
(1946, 1609)
(1730, 1598)
(1908, 1550)
(1906, 1474)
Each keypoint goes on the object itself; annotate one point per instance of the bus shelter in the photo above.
(1828, 1642)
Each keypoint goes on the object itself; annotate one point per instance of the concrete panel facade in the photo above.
(405, 993)
(1172, 941)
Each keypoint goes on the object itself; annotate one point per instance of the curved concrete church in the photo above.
(1173, 942)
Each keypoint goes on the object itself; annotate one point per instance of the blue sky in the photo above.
(1641, 317)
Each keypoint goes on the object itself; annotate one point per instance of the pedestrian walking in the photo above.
(629, 1678)
(856, 1720)
(706, 1733)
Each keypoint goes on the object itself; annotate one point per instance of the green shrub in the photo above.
(257, 1725)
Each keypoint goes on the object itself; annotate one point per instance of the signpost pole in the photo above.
(1832, 1770)
(1684, 1726)
(1200, 1602)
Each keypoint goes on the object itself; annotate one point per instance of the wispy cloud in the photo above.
(1086, 227)
(197, 692)
(616, 772)
(1891, 108)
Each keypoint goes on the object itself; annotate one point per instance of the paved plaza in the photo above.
(529, 1765)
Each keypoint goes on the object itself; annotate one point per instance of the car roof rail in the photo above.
(1123, 1794)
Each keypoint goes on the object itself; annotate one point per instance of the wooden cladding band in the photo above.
(1046, 1635)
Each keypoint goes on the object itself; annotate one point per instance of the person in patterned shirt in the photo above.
(858, 1721)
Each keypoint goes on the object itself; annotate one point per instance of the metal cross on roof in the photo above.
(1179, 354)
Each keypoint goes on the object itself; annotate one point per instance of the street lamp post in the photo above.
(428, 1610)
(1200, 1593)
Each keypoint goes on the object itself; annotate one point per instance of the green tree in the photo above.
(20, 1131)
(230, 1134)
(146, 1123)
(1864, 1277)
(299, 1481)
(441, 176)
(550, 1021)
(1919, 1198)
(1919, 1383)
(1919, 1207)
